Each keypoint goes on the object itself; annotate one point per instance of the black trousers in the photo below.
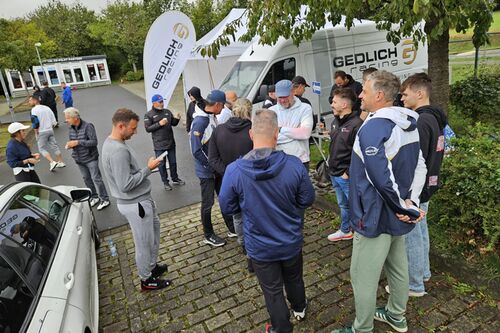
(28, 177)
(228, 219)
(208, 187)
(272, 276)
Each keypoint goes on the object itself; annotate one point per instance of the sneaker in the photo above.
(94, 201)
(340, 235)
(411, 293)
(343, 330)
(167, 187)
(427, 279)
(103, 204)
(232, 234)
(60, 165)
(399, 325)
(299, 316)
(214, 240)
(178, 181)
(52, 165)
(269, 328)
(159, 270)
(154, 283)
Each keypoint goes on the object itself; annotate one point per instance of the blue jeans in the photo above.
(417, 250)
(172, 162)
(341, 187)
(92, 175)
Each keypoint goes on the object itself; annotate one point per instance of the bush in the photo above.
(467, 207)
(135, 76)
(477, 98)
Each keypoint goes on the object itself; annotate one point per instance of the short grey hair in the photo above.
(264, 122)
(72, 112)
(385, 82)
(242, 108)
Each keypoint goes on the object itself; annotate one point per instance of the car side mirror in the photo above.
(81, 195)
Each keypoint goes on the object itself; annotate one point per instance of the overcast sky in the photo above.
(19, 8)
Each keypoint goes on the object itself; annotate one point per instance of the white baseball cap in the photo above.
(15, 127)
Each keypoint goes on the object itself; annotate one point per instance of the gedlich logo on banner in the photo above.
(409, 51)
(168, 46)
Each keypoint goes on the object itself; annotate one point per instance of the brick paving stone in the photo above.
(213, 292)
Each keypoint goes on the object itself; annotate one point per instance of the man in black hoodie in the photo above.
(343, 80)
(195, 95)
(159, 121)
(48, 98)
(415, 94)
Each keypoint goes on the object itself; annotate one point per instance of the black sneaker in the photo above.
(167, 187)
(154, 283)
(159, 270)
(214, 240)
(178, 181)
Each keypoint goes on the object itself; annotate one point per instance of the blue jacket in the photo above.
(272, 190)
(387, 167)
(16, 152)
(67, 97)
(201, 130)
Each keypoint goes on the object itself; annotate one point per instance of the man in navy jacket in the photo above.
(271, 189)
(387, 174)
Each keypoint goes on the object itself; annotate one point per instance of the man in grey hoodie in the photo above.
(129, 184)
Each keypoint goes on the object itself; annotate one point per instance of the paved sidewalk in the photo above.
(213, 292)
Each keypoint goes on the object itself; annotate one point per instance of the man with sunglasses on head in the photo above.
(159, 121)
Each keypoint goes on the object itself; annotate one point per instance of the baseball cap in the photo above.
(15, 127)
(156, 98)
(216, 96)
(300, 80)
(283, 88)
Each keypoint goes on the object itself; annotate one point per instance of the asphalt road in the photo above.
(97, 106)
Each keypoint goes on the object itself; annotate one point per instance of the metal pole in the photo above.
(476, 62)
(40, 60)
(7, 97)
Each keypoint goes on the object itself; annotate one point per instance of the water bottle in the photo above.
(112, 247)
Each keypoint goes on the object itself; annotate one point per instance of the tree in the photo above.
(273, 19)
(123, 25)
(67, 26)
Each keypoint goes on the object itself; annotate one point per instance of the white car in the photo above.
(48, 269)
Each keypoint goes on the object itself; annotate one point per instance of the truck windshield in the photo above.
(242, 77)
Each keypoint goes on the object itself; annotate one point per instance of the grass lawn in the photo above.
(462, 72)
(466, 46)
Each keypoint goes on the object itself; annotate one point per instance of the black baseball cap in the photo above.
(300, 80)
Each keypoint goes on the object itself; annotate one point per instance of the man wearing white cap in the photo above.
(19, 156)
(295, 122)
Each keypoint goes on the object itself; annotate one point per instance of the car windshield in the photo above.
(242, 77)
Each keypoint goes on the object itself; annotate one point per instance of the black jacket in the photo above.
(196, 93)
(342, 135)
(163, 136)
(86, 150)
(430, 124)
(48, 98)
(268, 102)
(229, 141)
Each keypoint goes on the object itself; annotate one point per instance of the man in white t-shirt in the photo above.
(43, 121)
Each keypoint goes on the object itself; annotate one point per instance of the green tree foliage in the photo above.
(124, 25)
(273, 19)
(17, 45)
(67, 26)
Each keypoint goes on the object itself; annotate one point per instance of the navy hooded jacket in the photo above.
(387, 167)
(272, 190)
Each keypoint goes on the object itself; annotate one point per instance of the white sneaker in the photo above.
(60, 165)
(52, 165)
(299, 316)
(340, 235)
(103, 204)
(231, 234)
(411, 293)
(94, 201)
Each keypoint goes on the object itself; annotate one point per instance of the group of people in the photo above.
(384, 165)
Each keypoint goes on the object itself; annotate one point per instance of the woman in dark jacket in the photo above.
(195, 95)
(19, 156)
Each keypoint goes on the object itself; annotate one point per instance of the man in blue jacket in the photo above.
(67, 95)
(387, 174)
(271, 189)
(202, 127)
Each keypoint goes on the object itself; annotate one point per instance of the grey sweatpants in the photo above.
(146, 233)
(47, 142)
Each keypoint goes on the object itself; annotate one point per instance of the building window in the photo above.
(54, 80)
(41, 76)
(68, 78)
(28, 80)
(16, 80)
(78, 75)
(92, 72)
(102, 71)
